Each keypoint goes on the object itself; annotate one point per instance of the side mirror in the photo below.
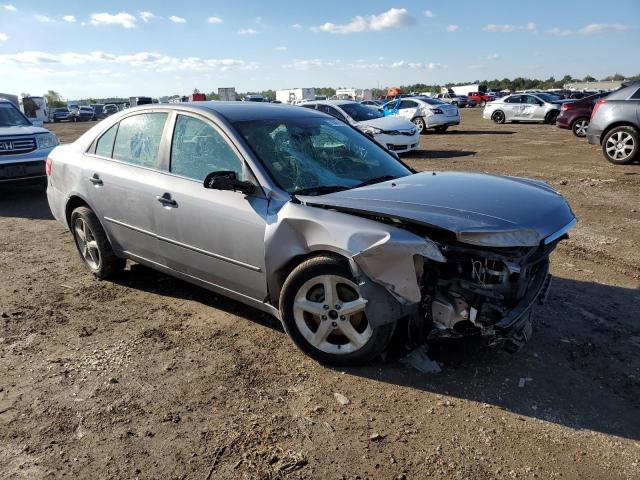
(226, 180)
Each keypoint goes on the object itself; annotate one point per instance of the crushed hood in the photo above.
(480, 209)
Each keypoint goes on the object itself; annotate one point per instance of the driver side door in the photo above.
(215, 236)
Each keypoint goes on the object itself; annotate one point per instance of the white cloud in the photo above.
(282, 49)
(296, 26)
(3, 37)
(416, 66)
(452, 28)
(146, 16)
(506, 28)
(429, 14)
(311, 63)
(123, 19)
(392, 18)
(69, 18)
(595, 28)
(560, 32)
(9, 8)
(247, 31)
(176, 19)
(214, 20)
(43, 19)
(144, 60)
(493, 56)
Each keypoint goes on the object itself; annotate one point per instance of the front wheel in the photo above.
(621, 145)
(93, 245)
(579, 127)
(420, 125)
(324, 314)
(498, 117)
(483, 103)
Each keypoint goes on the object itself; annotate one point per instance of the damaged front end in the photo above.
(489, 292)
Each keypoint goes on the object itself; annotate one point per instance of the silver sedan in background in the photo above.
(303, 216)
(525, 107)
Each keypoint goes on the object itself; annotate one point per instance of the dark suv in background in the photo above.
(575, 116)
(615, 125)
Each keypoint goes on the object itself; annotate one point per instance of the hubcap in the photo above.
(87, 244)
(329, 313)
(620, 145)
(419, 124)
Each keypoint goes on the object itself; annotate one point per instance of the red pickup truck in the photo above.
(480, 98)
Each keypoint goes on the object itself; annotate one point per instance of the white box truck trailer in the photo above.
(296, 95)
(227, 94)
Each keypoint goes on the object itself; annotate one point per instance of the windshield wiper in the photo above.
(371, 181)
(320, 190)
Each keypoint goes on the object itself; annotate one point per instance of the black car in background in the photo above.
(84, 113)
(109, 109)
(98, 111)
(62, 114)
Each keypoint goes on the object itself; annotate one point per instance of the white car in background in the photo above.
(524, 107)
(425, 112)
(396, 134)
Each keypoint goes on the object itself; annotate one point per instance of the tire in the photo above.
(550, 118)
(93, 245)
(483, 103)
(420, 125)
(498, 117)
(441, 129)
(316, 327)
(454, 103)
(579, 127)
(621, 145)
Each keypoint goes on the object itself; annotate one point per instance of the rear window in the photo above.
(636, 95)
(138, 139)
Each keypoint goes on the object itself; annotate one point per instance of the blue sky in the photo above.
(127, 48)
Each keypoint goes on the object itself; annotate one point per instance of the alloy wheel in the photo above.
(419, 123)
(620, 146)
(87, 244)
(329, 313)
(580, 127)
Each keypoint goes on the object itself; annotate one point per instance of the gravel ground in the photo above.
(149, 377)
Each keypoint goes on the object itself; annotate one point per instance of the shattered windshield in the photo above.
(10, 116)
(317, 155)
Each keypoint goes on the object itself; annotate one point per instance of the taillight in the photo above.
(597, 106)
(48, 166)
(566, 106)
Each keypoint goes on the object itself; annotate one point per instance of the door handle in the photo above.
(96, 180)
(166, 200)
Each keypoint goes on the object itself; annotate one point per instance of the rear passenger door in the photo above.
(122, 169)
(408, 109)
(512, 107)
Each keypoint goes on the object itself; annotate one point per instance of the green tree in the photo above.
(54, 99)
(588, 78)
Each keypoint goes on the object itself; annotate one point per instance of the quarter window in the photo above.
(104, 146)
(636, 96)
(198, 149)
(407, 104)
(138, 139)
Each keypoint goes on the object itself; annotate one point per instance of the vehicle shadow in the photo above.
(142, 278)
(24, 201)
(480, 132)
(426, 154)
(581, 369)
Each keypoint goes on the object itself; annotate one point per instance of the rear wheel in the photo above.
(621, 145)
(498, 116)
(579, 127)
(93, 245)
(483, 103)
(420, 125)
(323, 313)
(550, 118)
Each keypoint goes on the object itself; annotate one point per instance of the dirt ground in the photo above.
(150, 377)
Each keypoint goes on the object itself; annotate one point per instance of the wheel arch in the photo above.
(623, 123)
(76, 200)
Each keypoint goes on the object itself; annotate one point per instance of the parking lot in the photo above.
(150, 377)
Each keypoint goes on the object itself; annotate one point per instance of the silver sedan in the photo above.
(300, 215)
(529, 107)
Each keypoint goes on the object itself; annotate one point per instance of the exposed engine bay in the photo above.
(487, 292)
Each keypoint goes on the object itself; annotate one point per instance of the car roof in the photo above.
(337, 103)
(239, 111)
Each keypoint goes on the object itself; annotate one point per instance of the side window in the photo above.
(311, 107)
(198, 149)
(636, 95)
(531, 100)
(104, 145)
(514, 99)
(138, 139)
(407, 104)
